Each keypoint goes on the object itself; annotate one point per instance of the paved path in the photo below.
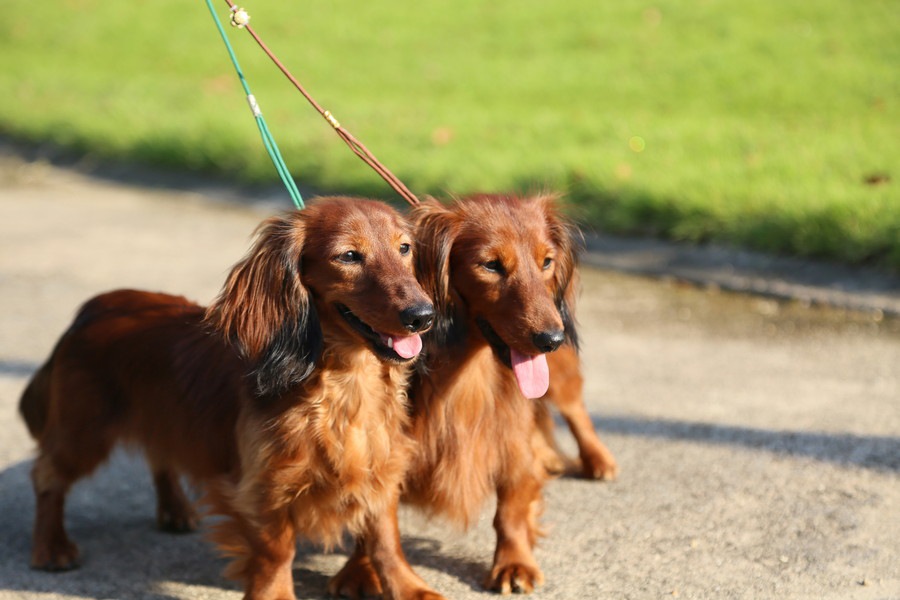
(759, 439)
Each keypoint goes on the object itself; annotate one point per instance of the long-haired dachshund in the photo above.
(501, 271)
(285, 398)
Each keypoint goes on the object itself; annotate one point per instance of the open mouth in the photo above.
(391, 347)
(501, 350)
(531, 371)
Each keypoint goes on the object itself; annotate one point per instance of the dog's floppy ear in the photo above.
(568, 241)
(266, 312)
(436, 230)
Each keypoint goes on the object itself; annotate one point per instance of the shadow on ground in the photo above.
(17, 368)
(880, 453)
(111, 517)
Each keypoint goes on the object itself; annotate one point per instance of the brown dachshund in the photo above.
(285, 399)
(501, 271)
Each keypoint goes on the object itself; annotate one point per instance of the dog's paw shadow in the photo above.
(309, 580)
(111, 517)
(430, 559)
(432, 554)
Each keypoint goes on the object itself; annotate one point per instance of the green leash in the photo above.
(268, 141)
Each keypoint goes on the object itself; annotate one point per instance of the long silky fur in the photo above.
(476, 434)
(437, 231)
(483, 387)
(265, 311)
(570, 241)
(293, 423)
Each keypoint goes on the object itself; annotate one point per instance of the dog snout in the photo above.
(548, 341)
(417, 317)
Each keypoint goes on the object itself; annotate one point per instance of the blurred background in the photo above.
(771, 125)
(759, 439)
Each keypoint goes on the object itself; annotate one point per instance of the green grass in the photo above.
(753, 123)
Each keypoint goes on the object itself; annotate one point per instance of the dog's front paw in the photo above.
(419, 592)
(425, 595)
(59, 555)
(357, 579)
(599, 467)
(514, 579)
(181, 521)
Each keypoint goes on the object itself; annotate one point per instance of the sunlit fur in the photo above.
(268, 398)
(476, 435)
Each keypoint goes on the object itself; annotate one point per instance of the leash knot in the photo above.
(239, 17)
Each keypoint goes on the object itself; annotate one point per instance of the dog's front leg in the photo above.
(398, 579)
(515, 568)
(566, 393)
(267, 572)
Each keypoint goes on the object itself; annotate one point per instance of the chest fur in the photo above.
(473, 429)
(340, 452)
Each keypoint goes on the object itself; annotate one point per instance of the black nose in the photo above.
(417, 317)
(548, 341)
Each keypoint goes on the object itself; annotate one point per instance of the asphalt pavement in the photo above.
(758, 434)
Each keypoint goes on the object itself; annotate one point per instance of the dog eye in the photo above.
(404, 249)
(350, 256)
(494, 266)
(547, 262)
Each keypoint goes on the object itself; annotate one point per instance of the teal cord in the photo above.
(268, 140)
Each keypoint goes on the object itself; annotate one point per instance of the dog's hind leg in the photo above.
(76, 434)
(52, 476)
(174, 511)
(52, 550)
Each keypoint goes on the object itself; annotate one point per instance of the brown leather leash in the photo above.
(240, 19)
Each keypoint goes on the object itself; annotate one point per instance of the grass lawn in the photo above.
(773, 124)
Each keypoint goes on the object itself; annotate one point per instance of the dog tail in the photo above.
(35, 401)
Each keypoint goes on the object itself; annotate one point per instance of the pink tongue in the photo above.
(532, 373)
(408, 346)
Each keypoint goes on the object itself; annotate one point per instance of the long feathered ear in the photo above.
(568, 240)
(266, 312)
(436, 230)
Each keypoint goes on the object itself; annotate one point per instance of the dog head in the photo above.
(505, 266)
(341, 268)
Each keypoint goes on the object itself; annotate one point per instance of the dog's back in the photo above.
(128, 364)
(36, 399)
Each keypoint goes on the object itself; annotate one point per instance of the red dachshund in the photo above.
(285, 398)
(501, 271)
